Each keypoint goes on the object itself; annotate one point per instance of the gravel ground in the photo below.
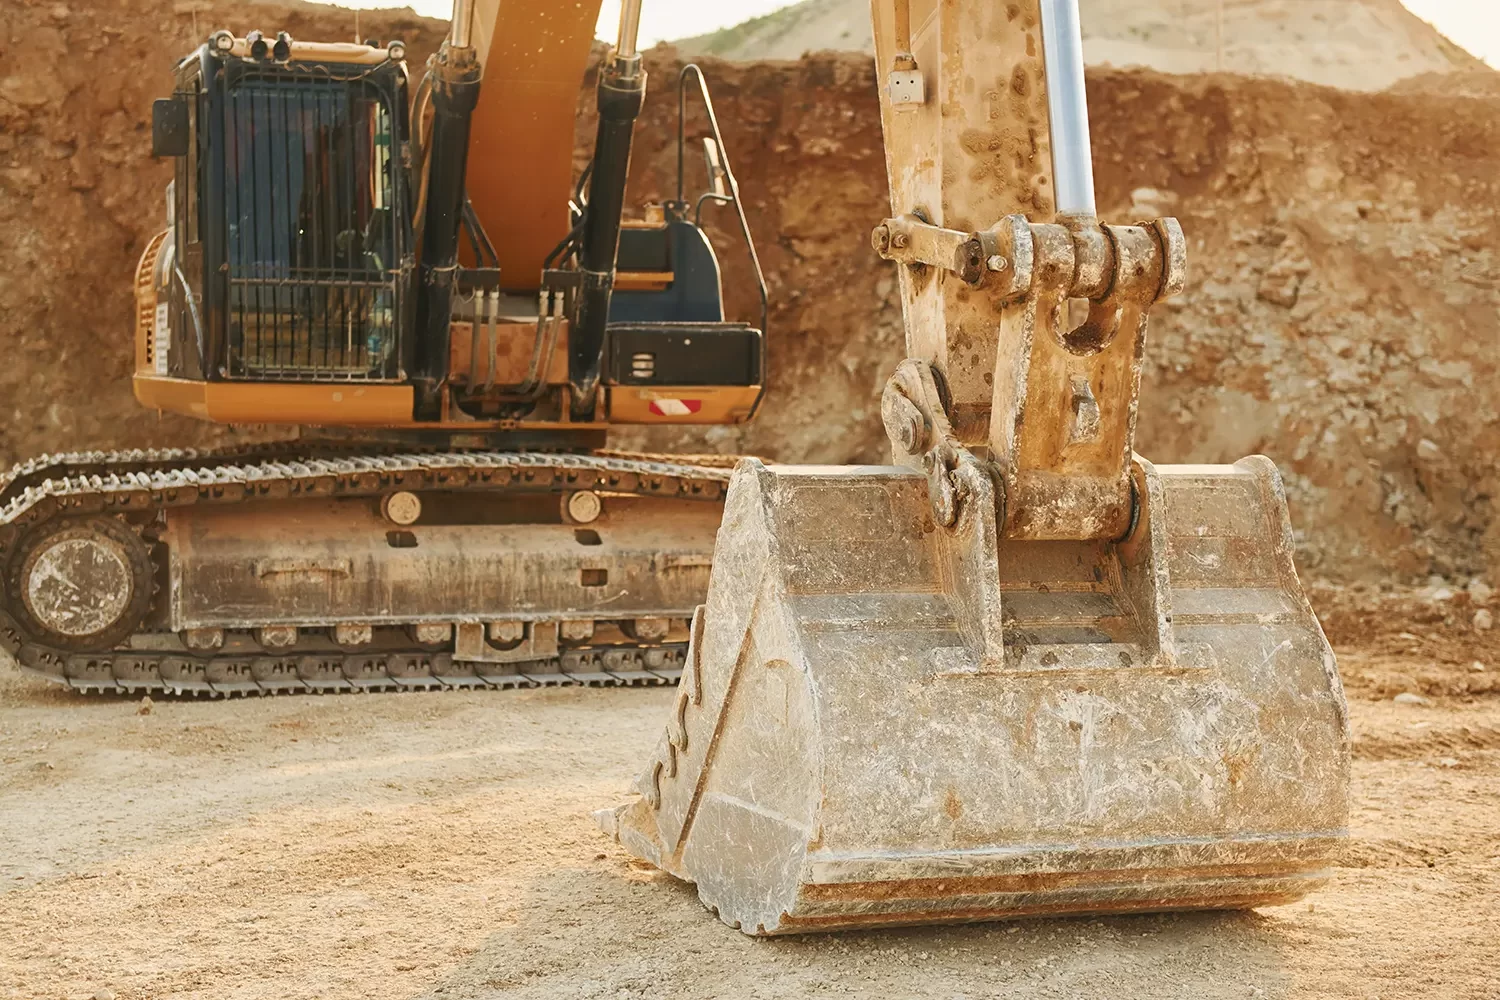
(440, 845)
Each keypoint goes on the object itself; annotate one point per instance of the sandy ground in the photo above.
(440, 845)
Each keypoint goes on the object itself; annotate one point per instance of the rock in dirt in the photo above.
(1408, 698)
(145, 706)
(1484, 620)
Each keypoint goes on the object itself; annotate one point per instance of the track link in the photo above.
(132, 673)
(141, 483)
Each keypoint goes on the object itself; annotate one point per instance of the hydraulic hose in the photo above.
(455, 92)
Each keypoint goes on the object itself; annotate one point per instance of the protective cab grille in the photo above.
(311, 241)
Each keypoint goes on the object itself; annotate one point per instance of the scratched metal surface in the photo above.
(843, 755)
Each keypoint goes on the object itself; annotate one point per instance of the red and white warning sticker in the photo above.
(675, 407)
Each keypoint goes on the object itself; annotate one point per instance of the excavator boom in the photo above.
(520, 157)
(1022, 670)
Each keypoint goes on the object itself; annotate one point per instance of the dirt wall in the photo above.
(1341, 315)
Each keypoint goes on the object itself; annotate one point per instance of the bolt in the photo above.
(507, 631)
(904, 422)
(575, 630)
(276, 636)
(880, 238)
(913, 433)
(996, 263)
(899, 241)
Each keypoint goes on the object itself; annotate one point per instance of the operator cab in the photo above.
(288, 287)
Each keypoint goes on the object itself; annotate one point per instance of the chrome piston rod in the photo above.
(461, 29)
(1067, 108)
(630, 25)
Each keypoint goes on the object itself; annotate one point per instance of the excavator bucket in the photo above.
(1022, 670)
(1162, 730)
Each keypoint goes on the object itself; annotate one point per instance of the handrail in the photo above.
(187, 295)
(732, 198)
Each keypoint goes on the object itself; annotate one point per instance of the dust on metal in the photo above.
(78, 586)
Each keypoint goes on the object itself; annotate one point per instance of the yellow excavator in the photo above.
(412, 276)
(1022, 670)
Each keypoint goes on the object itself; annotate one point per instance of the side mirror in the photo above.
(716, 172)
(169, 127)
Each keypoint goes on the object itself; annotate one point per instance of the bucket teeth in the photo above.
(1159, 725)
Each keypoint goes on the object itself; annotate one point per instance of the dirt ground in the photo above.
(440, 845)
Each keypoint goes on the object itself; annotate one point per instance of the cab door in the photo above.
(186, 357)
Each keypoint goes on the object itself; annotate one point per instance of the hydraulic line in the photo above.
(455, 92)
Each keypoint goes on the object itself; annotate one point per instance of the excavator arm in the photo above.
(520, 158)
(1022, 670)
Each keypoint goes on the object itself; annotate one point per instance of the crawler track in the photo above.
(138, 486)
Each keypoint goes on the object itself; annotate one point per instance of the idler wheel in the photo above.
(83, 585)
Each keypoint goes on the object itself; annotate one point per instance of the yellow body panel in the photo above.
(317, 404)
(717, 404)
(643, 281)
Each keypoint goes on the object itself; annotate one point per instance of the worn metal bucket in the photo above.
(887, 722)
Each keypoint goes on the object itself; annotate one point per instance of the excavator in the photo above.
(412, 276)
(1021, 670)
